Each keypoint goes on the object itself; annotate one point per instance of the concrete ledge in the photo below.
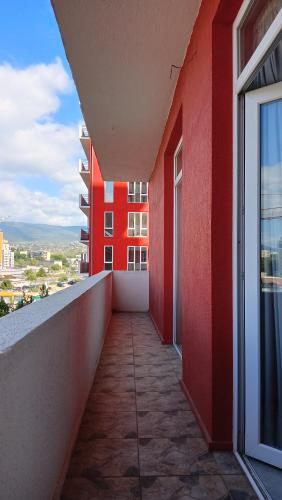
(131, 291)
(50, 351)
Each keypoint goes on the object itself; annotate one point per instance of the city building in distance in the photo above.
(6, 254)
(117, 236)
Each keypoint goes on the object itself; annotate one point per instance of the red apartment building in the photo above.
(187, 94)
(117, 217)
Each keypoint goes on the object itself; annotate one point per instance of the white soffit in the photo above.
(121, 54)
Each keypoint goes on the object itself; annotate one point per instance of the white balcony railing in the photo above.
(84, 171)
(83, 167)
(83, 132)
(84, 203)
(49, 352)
(85, 140)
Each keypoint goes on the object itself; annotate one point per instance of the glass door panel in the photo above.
(263, 274)
(271, 273)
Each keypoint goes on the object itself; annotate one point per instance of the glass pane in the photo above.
(108, 254)
(144, 189)
(108, 266)
(271, 274)
(143, 254)
(130, 267)
(143, 266)
(137, 224)
(109, 191)
(178, 162)
(131, 188)
(137, 192)
(131, 254)
(259, 18)
(137, 255)
(108, 232)
(130, 198)
(108, 219)
(144, 219)
(131, 220)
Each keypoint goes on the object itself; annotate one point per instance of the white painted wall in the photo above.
(131, 291)
(48, 356)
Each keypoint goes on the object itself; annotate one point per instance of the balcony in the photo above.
(84, 267)
(84, 237)
(84, 171)
(73, 372)
(85, 140)
(84, 204)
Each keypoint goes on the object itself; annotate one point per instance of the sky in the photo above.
(271, 172)
(39, 119)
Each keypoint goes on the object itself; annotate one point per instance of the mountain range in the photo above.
(23, 232)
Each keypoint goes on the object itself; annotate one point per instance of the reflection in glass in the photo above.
(271, 274)
(259, 18)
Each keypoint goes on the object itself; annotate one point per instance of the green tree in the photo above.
(56, 267)
(4, 308)
(26, 299)
(6, 285)
(43, 291)
(30, 275)
(41, 273)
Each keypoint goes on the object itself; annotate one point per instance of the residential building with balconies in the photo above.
(117, 235)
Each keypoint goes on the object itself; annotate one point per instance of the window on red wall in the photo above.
(137, 192)
(137, 224)
(137, 258)
(108, 224)
(108, 191)
(108, 258)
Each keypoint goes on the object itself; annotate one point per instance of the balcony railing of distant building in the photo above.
(84, 166)
(84, 171)
(85, 140)
(84, 200)
(83, 132)
(84, 236)
(84, 267)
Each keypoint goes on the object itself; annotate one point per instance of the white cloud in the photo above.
(34, 144)
(35, 206)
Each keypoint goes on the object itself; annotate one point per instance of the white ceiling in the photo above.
(121, 52)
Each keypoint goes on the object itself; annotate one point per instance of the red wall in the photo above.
(202, 112)
(120, 207)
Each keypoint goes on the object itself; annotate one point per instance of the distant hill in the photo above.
(21, 232)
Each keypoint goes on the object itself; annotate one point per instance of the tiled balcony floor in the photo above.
(138, 437)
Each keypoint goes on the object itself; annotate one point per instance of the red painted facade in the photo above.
(201, 113)
(120, 208)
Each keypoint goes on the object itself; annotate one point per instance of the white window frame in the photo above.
(134, 262)
(177, 178)
(109, 262)
(133, 193)
(239, 82)
(142, 228)
(105, 195)
(106, 228)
